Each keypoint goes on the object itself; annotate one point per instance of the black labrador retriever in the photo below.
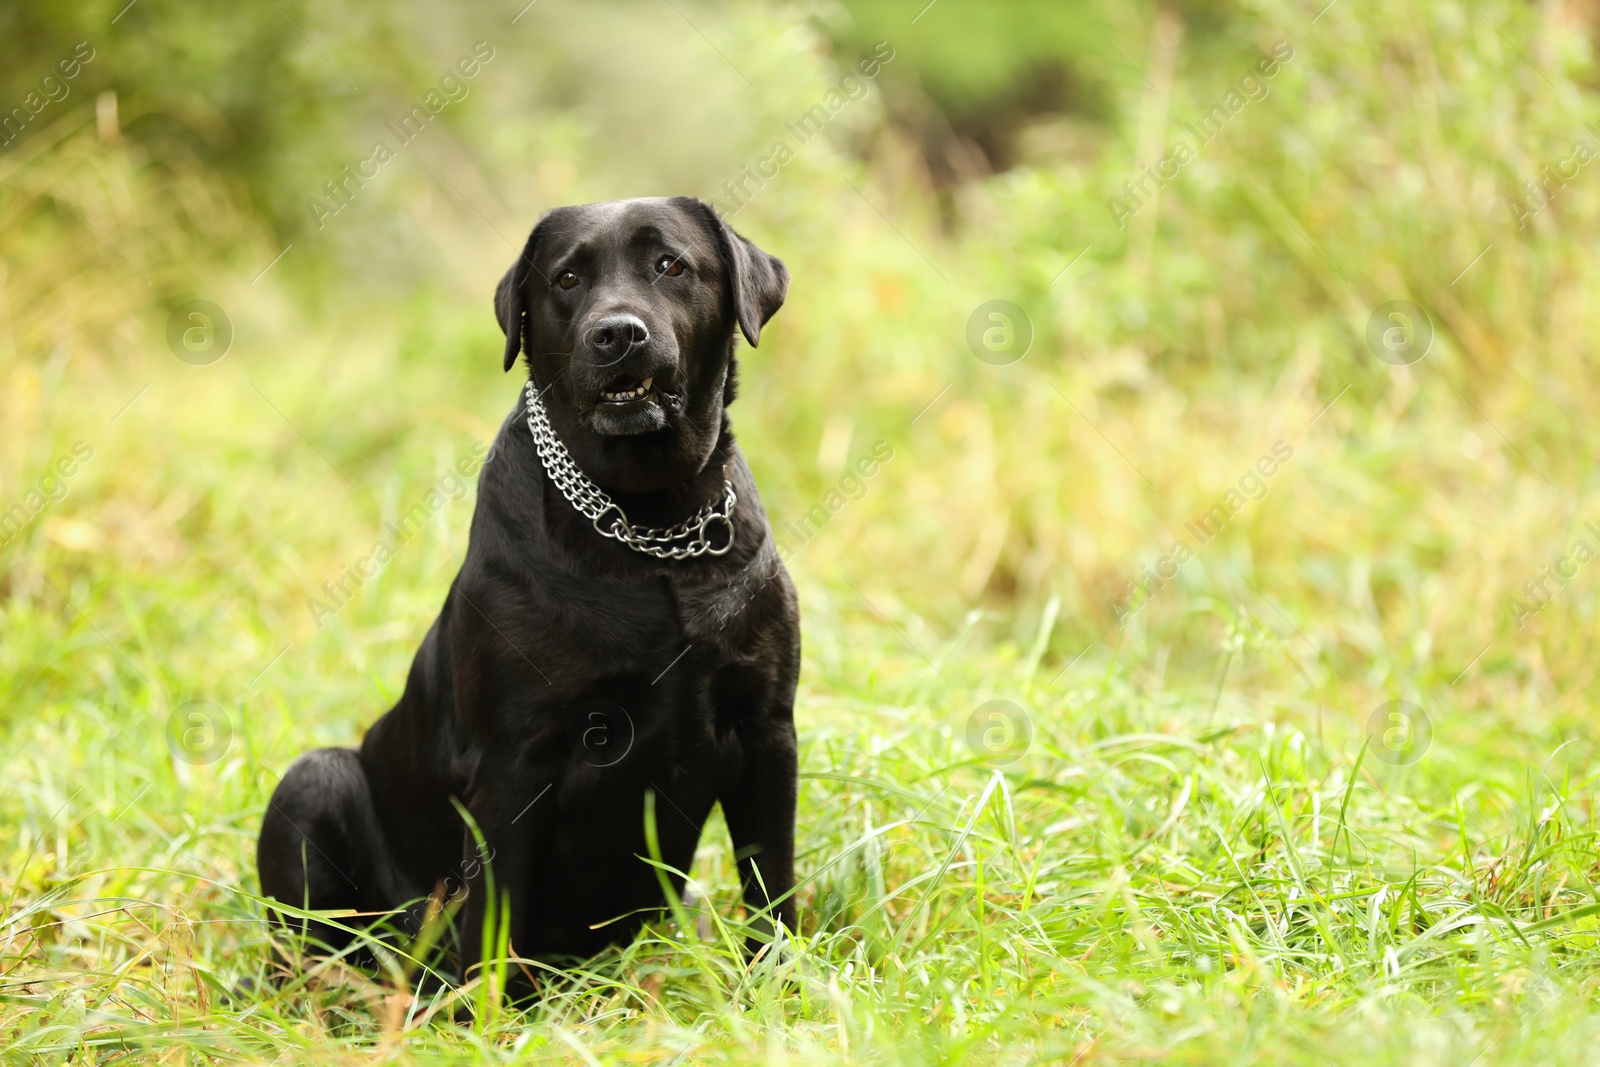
(621, 626)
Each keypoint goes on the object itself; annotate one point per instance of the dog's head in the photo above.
(628, 310)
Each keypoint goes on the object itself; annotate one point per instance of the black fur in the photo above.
(567, 675)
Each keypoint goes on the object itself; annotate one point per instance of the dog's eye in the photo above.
(566, 279)
(671, 266)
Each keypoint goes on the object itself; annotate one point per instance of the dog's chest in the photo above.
(716, 612)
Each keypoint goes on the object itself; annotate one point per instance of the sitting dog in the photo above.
(621, 625)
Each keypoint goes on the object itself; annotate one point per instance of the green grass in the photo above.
(1198, 854)
(1163, 869)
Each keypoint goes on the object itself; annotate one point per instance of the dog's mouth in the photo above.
(625, 406)
(623, 391)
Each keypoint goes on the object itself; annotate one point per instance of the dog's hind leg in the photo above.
(321, 847)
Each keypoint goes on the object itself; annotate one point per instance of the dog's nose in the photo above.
(616, 335)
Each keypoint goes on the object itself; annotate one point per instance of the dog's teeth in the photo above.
(638, 391)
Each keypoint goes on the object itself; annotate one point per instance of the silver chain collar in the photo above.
(594, 504)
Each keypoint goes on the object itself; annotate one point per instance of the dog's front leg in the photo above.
(516, 821)
(759, 811)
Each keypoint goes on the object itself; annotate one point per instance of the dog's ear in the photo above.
(758, 281)
(510, 298)
(509, 309)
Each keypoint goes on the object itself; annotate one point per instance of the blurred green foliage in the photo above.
(1163, 866)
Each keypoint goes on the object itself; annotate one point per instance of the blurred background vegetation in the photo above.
(1224, 315)
(1388, 159)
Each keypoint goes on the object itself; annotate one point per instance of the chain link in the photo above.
(594, 504)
